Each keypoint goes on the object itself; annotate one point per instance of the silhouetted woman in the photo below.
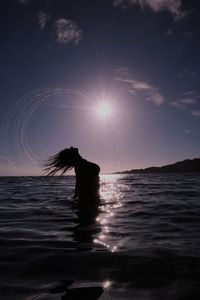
(87, 173)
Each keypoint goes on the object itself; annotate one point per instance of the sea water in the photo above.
(144, 242)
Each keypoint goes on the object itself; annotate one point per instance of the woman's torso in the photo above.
(87, 176)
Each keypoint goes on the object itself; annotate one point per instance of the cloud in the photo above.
(169, 32)
(196, 113)
(190, 93)
(173, 6)
(188, 35)
(187, 72)
(179, 105)
(67, 31)
(188, 101)
(188, 131)
(43, 19)
(123, 71)
(133, 86)
(184, 103)
(23, 2)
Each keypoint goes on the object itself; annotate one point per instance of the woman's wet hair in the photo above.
(61, 162)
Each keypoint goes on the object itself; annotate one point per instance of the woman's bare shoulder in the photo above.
(91, 164)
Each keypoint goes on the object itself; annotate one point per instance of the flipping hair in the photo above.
(62, 161)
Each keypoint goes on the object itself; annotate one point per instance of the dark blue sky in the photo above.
(59, 59)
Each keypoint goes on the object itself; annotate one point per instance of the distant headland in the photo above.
(185, 166)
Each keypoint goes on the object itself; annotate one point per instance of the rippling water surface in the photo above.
(144, 244)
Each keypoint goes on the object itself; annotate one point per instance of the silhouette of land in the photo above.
(185, 166)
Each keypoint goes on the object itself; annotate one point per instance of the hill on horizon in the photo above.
(185, 166)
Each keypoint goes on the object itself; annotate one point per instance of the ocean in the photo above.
(142, 243)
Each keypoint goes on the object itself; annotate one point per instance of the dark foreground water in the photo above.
(145, 243)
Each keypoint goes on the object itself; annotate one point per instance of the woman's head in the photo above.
(62, 161)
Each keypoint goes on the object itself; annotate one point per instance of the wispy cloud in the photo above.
(188, 131)
(169, 32)
(188, 35)
(184, 103)
(196, 113)
(190, 93)
(24, 1)
(188, 102)
(123, 71)
(187, 72)
(133, 86)
(43, 19)
(67, 31)
(173, 6)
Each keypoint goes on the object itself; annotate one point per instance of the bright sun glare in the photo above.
(104, 109)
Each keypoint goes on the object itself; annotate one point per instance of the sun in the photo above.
(104, 109)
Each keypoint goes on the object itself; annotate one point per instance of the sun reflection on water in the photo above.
(107, 284)
(111, 200)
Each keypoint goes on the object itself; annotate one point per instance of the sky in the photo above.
(60, 60)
